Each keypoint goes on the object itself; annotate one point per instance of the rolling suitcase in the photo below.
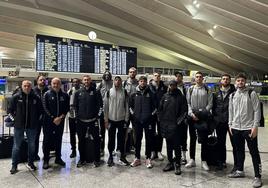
(89, 147)
(6, 143)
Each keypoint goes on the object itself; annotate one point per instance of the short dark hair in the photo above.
(178, 73)
(37, 78)
(226, 75)
(241, 75)
(198, 72)
(143, 78)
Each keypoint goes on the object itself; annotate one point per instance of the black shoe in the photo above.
(183, 161)
(224, 165)
(233, 170)
(36, 158)
(45, 165)
(32, 166)
(60, 162)
(177, 169)
(110, 161)
(13, 170)
(123, 161)
(73, 154)
(219, 166)
(80, 164)
(96, 164)
(168, 167)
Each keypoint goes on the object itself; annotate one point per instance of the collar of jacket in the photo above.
(91, 88)
(145, 91)
(175, 92)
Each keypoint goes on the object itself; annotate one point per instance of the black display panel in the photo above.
(68, 55)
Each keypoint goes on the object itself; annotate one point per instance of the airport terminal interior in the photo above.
(71, 38)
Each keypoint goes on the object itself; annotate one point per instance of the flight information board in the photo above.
(68, 55)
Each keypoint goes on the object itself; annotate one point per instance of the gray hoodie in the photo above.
(116, 105)
(244, 111)
(199, 99)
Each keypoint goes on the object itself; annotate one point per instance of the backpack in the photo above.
(262, 120)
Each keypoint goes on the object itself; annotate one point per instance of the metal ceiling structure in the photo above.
(214, 36)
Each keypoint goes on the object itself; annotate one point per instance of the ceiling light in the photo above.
(1, 54)
(195, 2)
(215, 27)
(197, 5)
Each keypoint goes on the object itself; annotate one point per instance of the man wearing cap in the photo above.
(172, 111)
(143, 108)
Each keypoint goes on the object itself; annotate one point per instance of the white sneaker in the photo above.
(160, 156)
(190, 164)
(149, 163)
(205, 165)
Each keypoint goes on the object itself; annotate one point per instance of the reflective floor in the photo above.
(121, 176)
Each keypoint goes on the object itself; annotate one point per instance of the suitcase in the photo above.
(24, 151)
(212, 150)
(89, 147)
(129, 142)
(6, 143)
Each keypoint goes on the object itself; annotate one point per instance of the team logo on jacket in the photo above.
(61, 98)
(34, 101)
(91, 93)
(147, 95)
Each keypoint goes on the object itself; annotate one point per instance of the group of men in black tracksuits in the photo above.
(161, 111)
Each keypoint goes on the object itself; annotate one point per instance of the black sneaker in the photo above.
(237, 174)
(60, 162)
(177, 169)
(73, 154)
(45, 165)
(110, 161)
(36, 158)
(32, 166)
(123, 161)
(96, 164)
(183, 161)
(168, 167)
(13, 170)
(80, 164)
(219, 166)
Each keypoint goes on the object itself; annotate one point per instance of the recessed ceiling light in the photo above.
(195, 2)
(197, 5)
(215, 27)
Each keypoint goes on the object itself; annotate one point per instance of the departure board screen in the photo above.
(68, 55)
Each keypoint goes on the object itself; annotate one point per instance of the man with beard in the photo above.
(25, 108)
(103, 87)
(172, 111)
(72, 120)
(88, 106)
(184, 125)
(40, 90)
(220, 113)
(159, 88)
(56, 106)
(244, 119)
(143, 108)
(130, 85)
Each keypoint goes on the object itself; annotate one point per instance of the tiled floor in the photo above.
(121, 176)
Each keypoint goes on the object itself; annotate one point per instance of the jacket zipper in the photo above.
(26, 119)
(57, 94)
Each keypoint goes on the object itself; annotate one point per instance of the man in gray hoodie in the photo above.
(244, 119)
(116, 114)
(199, 102)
